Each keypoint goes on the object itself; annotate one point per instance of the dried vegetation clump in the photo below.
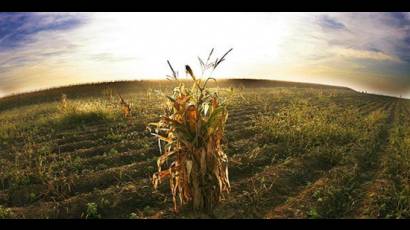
(189, 137)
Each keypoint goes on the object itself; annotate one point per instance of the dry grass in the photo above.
(294, 152)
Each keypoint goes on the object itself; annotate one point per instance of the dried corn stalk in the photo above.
(125, 107)
(189, 136)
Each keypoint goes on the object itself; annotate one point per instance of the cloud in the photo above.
(385, 32)
(33, 41)
(327, 22)
(352, 49)
(372, 54)
(398, 19)
(109, 57)
(17, 29)
(32, 38)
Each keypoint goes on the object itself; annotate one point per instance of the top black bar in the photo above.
(209, 5)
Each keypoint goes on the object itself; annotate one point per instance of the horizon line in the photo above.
(188, 79)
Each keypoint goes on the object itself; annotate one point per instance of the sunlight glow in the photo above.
(143, 42)
(332, 48)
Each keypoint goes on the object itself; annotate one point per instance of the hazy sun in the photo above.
(138, 45)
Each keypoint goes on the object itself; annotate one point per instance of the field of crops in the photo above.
(294, 152)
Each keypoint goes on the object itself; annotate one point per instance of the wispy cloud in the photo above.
(371, 54)
(109, 57)
(329, 23)
(18, 29)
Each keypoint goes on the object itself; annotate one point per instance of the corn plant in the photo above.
(189, 136)
(125, 107)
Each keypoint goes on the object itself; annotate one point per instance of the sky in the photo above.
(363, 51)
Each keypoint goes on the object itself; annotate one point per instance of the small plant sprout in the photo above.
(92, 211)
(64, 102)
(108, 94)
(189, 135)
(5, 213)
